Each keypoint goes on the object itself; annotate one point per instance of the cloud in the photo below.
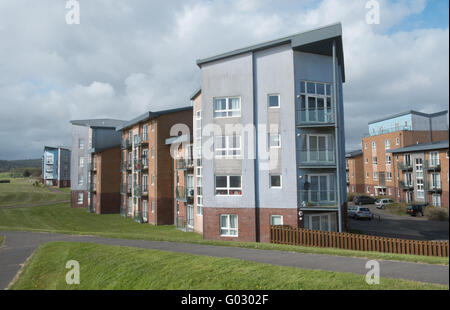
(128, 57)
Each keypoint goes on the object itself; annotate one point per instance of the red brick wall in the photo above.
(246, 224)
(74, 199)
(289, 218)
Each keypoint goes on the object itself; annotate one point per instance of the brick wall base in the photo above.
(108, 203)
(74, 199)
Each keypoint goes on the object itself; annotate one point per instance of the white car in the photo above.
(381, 203)
(363, 213)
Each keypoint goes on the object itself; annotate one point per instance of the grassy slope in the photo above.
(21, 191)
(63, 219)
(114, 267)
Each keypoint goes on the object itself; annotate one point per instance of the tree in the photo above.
(26, 173)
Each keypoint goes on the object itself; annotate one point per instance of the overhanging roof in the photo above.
(422, 147)
(99, 123)
(316, 41)
(149, 115)
(410, 112)
(353, 153)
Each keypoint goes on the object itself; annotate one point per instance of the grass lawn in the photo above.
(21, 191)
(116, 268)
(63, 219)
(1, 240)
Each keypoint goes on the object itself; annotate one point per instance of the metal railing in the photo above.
(137, 190)
(404, 166)
(433, 187)
(405, 185)
(316, 198)
(432, 165)
(184, 194)
(315, 116)
(184, 163)
(316, 157)
(126, 144)
(382, 131)
(125, 188)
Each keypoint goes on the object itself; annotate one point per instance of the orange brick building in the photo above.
(147, 165)
(355, 171)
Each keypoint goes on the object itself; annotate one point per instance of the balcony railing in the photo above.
(434, 187)
(405, 166)
(184, 224)
(405, 185)
(184, 194)
(316, 198)
(125, 188)
(387, 130)
(182, 163)
(126, 144)
(137, 165)
(137, 190)
(316, 157)
(315, 116)
(433, 165)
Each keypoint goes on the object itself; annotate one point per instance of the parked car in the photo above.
(351, 211)
(416, 210)
(362, 213)
(363, 200)
(381, 203)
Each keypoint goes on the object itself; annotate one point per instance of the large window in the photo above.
(323, 221)
(229, 225)
(435, 180)
(315, 102)
(227, 146)
(436, 200)
(228, 185)
(227, 107)
(434, 159)
(317, 148)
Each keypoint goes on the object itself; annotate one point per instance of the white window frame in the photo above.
(387, 144)
(228, 149)
(228, 229)
(80, 198)
(268, 101)
(269, 135)
(388, 159)
(270, 181)
(374, 145)
(229, 112)
(227, 188)
(81, 144)
(276, 215)
(375, 175)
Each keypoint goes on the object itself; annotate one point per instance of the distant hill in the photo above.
(8, 165)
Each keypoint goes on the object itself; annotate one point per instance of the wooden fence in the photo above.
(317, 238)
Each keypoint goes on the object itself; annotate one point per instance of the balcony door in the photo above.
(322, 188)
(319, 148)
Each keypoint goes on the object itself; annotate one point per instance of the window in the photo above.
(397, 141)
(365, 146)
(446, 154)
(374, 145)
(368, 189)
(398, 193)
(374, 160)
(153, 207)
(276, 220)
(436, 200)
(153, 152)
(274, 140)
(227, 107)
(80, 198)
(274, 101)
(367, 174)
(367, 160)
(275, 181)
(388, 159)
(228, 185)
(389, 176)
(80, 180)
(390, 191)
(315, 103)
(434, 159)
(153, 179)
(145, 183)
(81, 162)
(375, 175)
(81, 144)
(153, 126)
(145, 210)
(435, 180)
(229, 225)
(420, 189)
(145, 132)
(387, 144)
(419, 168)
(227, 146)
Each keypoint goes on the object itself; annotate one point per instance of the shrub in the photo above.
(436, 213)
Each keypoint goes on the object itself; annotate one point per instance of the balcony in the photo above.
(432, 165)
(126, 144)
(434, 188)
(137, 190)
(184, 194)
(405, 166)
(405, 186)
(137, 165)
(315, 117)
(316, 198)
(316, 158)
(125, 189)
(184, 164)
(387, 130)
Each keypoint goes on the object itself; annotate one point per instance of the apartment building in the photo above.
(104, 180)
(422, 173)
(56, 166)
(273, 137)
(90, 137)
(393, 132)
(355, 171)
(147, 165)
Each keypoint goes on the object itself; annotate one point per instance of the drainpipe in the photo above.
(431, 129)
(256, 160)
(336, 139)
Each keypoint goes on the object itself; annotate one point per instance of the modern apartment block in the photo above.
(392, 132)
(90, 138)
(273, 137)
(56, 166)
(355, 171)
(147, 165)
(422, 174)
(104, 180)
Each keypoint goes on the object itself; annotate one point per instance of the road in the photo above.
(401, 226)
(18, 246)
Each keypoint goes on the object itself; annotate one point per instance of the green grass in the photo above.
(397, 208)
(21, 192)
(61, 218)
(120, 268)
(1, 240)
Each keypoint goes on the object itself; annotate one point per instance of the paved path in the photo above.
(18, 246)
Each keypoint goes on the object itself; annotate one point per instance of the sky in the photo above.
(128, 57)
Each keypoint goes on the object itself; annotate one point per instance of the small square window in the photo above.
(276, 220)
(274, 101)
(275, 181)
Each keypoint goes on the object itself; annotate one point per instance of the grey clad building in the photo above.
(88, 137)
(273, 136)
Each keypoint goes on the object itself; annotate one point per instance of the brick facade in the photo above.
(74, 199)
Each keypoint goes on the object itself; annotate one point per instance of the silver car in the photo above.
(351, 211)
(363, 213)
